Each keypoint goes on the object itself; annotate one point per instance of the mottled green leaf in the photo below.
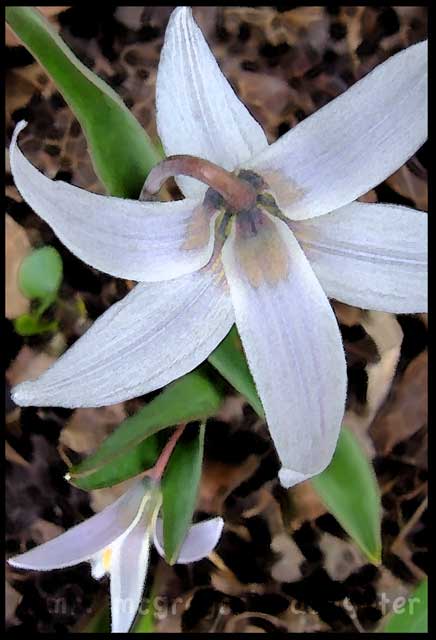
(409, 615)
(120, 149)
(128, 450)
(40, 274)
(180, 485)
(349, 489)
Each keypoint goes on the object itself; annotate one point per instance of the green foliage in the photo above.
(39, 279)
(99, 622)
(132, 447)
(145, 621)
(180, 485)
(40, 274)
(412, 615)
(120, 149)
(350, 491)
(229, 359)
(29, 325)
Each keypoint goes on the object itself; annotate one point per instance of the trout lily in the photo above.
(264, 235)
(117, 541)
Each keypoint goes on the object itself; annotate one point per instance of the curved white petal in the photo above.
(198, 112)
(146, 241)
(291, 340)
(156, 334)
(200, 540)
(372, 256)
(354, 142)
(85, 540)
(129, 564)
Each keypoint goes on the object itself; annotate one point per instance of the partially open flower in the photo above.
(117, 541)
(265, 233)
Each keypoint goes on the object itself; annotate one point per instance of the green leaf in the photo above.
(180, 485)
(28, 325)
(349, 489)
(145, 622)
(348, 481)
(40, 275)
(409, 616)
(229, 359)
(121, 151)
(128, 450)
(127, 465)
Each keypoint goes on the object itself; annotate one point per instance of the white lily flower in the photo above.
(264, 245)
(117, 541)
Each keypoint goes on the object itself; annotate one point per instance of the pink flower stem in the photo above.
(156, 472)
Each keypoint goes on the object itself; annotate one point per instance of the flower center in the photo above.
(243, 193)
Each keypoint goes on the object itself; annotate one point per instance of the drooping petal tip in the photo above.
(85, 540)
(20, 394)
(200, 540)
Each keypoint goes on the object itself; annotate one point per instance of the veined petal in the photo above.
(291, 340)
(146, 241)
(198, 113)
(353, 143)
(200, 540)
(129, 564)
(86, 539)
(156, 334)
(372, 256)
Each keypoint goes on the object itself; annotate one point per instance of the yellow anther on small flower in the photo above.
(107, 559)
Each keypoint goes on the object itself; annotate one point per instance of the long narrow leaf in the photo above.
(120, 149)
(349, 489)
(180, 489)
(129, 450)
(411, 616)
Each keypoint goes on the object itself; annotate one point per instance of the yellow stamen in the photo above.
(107, 558)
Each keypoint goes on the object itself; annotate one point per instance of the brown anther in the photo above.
(237, 193)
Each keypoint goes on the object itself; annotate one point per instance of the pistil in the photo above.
(239, 194)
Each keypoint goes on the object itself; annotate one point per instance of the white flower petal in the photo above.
(372, 256)
(146, 241)
(291, 340)
(354, 142)
(98, 569)
(86, 539)
(200, 540)
(129, 564)
(157, 333)
(198, 112)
